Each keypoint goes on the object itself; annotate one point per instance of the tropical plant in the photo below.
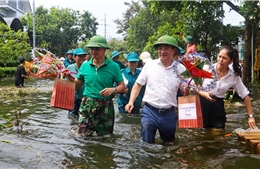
(12, 44)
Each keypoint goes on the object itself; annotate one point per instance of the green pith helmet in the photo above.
(88, 51)
(98, 42)
(189, 39)
(166, 40)
(79, 51)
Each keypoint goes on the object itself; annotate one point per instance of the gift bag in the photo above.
(189, 111)
(63, 94)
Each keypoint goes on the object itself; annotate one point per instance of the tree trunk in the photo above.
(247, 55)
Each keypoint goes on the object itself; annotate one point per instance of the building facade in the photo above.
(11, 12)
(14, 8)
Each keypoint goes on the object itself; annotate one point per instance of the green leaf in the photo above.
(7, 141)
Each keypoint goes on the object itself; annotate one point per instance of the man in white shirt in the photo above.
(162, 85)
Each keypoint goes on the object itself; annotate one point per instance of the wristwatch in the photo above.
(250, 115)
(115, 90)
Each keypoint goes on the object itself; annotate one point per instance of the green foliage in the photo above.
(7, 71)
(158, 6)
(250, 10)
(198, 19)
(83, 45)
(12, 44)
(123, 25)
(58, 30)
(88, 26)
(229, 96)
(166, 29)
(6, 119)
(1, 73)
(143, 24)
(16, 98)
(10, 63)
(20, 92)
(201, 19)
(119, 46)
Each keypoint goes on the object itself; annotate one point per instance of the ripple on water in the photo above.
(50, 140)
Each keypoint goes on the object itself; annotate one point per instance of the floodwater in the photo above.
(46, 139)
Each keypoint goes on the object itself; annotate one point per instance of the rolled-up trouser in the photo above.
(97, 115)
(164, 122)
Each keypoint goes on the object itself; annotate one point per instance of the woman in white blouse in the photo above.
(212, 103)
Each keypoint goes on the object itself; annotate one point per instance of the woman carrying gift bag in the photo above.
(212, 103)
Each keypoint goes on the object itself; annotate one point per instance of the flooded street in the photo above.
(46, 138)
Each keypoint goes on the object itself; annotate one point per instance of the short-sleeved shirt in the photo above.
(228, 81)
(120, 64)
(131, 78)
(74, 72)
(19, 80)
(96, 79)
(162, 83)
(67, 62)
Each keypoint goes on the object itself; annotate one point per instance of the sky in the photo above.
(106, 11)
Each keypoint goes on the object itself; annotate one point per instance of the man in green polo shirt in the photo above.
(99, 74)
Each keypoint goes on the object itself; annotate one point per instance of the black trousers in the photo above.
(214, 114)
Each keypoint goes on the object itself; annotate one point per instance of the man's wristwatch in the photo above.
(115, 90)
(250, 115)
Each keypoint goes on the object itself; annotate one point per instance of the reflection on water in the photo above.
(49, 140)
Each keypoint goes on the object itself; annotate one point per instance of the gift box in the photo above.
(189, 111)
(63, 94)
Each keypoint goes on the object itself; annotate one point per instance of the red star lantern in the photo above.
(195, 71)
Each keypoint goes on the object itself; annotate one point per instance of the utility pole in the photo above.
(105, 27)
(33, 24)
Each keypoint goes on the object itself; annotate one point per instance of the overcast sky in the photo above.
(109, 10)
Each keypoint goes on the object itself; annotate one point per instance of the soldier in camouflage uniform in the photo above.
(99, 74)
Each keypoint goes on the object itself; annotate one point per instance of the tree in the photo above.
(166, 29)
(131, 12)
(202, 20)
(88, 26)
(250, 10)
(58, 29)
(141, 24)
(117, 45)
(13, 44)
(146, 24)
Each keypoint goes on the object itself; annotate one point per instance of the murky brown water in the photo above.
(48, 140)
